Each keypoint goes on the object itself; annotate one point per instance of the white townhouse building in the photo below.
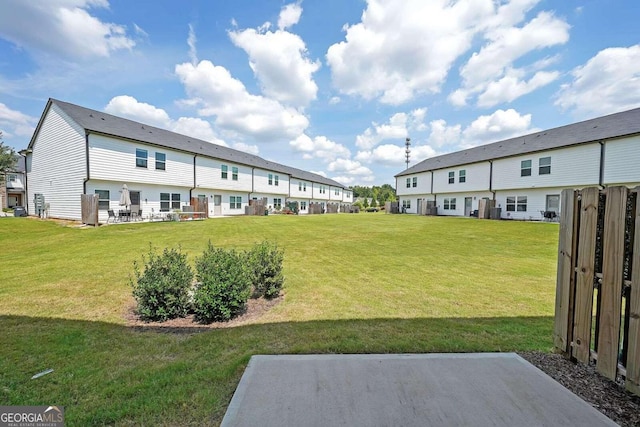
(76, 150)
(525, 175)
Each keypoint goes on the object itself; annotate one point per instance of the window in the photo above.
(303, 206)
(450, 204)
(544, 166)
(169, 201)
(234, 173)
(275, 180)
(415, 182)
(175, 200)
(103, 199)
(323, 189)
(336, 192)
(165, 201)
(224, 171)
(406, 204)
(452, 177)
(161, 161)
(141, 158)
(235, 202)
(270, 179)
(518, 203)
(12, 177)
(462, 175)
(525, 168)
(277, 203)
(408, 182)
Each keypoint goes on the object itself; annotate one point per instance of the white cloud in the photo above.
(334, 100)
(246, 148)
(349, 167)
(607, 83)
(402, 49)
(394, 155)
(495, 127)
(61, 27)
(319, 147)
(191, 41)
(289, 15)
(130, 107)
(14, 122)
(513, 86)
(215, 92)
(398, 127)
(279, 59)
(490, 72)
(442, 135)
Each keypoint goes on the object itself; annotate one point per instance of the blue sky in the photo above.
(330, 86)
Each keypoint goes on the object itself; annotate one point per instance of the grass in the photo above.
(367, 283)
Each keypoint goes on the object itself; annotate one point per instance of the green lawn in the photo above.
(366, 283)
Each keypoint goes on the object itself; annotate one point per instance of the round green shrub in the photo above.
(265, 269)
(162, 287)
(222, 286)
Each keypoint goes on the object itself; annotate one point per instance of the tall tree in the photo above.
(8, 159)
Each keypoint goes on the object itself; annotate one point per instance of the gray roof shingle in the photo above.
(606, 127)
(103, 123)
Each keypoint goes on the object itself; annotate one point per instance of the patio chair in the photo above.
(112, 216)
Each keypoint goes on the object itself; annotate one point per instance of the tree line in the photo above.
(379, 194)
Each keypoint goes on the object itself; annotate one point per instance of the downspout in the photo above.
(435, 197)
(195, 180)
(86, 155)
(491, 180)
(24, 154)
(252, 187)
(601, 177)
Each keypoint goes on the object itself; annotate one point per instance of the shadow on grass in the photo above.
(113, 374)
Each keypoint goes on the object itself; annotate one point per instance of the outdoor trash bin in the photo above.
(19, 211)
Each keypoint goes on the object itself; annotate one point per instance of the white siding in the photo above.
(459, 204)
(209, 175)
(536, 202)
(320, 192)
(423, 184)
(332, 194)
(622, 161)
(149, 196)
(58, 165)
(476, 178)
(113, 159)
(298, 193)
(570, 167)
(347, 196)
(261, 182)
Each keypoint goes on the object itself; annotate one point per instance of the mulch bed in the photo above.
(606, 396)
(255, 309)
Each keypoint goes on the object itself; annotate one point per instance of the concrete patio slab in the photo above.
(485, 389)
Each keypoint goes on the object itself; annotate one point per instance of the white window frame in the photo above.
(524, 169)
(544, 169)
(142, 157)
(462, 176)
(103, 199)
(452, 177)
(161, 163)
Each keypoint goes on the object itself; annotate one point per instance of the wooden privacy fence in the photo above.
(89, 208)
(598, 284)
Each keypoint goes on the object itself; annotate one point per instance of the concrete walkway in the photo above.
(486, 389)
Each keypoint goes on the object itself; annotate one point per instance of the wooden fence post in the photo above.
(566, 271)
(632, 381)
(612, 278)
(585, 274)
